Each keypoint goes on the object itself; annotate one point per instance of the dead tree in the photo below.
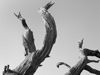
(33, 57)
(82, 64)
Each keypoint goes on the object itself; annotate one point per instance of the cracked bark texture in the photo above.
(34, 58)
(82, 64)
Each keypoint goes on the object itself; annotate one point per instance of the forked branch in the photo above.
(35, 57)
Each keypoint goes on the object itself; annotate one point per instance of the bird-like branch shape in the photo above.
(82, 64)
(35, 57)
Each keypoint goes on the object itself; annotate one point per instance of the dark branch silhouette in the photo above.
(83, 62)
(62, 63)
(35, 57)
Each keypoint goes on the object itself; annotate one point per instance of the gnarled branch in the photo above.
(34, 58)
(83, 61)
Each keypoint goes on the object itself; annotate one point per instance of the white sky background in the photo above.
(75, 19)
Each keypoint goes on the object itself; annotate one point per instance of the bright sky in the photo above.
(75, 19)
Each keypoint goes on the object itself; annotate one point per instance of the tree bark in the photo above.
(83, 61)
(33, 59)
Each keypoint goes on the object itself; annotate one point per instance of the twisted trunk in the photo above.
(82, 64)
(33, 59)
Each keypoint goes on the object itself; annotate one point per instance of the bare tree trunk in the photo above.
(82, 64)
(34, 58)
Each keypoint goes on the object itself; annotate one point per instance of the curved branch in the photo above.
(34, 58)
(62, 63)
(82, 63)
(51, 32)
(91, 70)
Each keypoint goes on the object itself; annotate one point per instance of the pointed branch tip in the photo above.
(48, 5)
